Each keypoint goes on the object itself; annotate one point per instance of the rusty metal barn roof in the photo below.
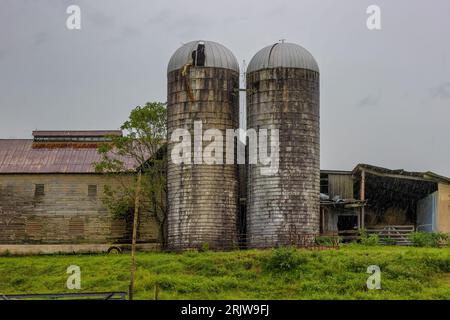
(80, 133)
(19, 156)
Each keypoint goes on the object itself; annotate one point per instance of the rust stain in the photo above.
(62, 145)
(185, 74)
(27, 156)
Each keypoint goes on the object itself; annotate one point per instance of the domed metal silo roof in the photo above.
(216, 56)
(283, 55)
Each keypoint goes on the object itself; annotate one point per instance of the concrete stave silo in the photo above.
(203, 86)
(283, 93)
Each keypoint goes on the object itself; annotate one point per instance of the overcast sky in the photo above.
(385, 95)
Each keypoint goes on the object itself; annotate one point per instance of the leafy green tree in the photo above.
(141, 148)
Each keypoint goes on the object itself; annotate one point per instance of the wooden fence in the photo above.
(395, 234)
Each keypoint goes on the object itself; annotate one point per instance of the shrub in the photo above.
(6, 253)
(282, 260)
(429, 239)
(327, 241)
(444, 239)
(389, 241)
(204, 247)
(369, 240)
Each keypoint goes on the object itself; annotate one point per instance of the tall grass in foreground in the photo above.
(407, 273)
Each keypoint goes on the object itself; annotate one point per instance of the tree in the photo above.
(140, 149)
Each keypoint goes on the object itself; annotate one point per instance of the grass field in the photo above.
(407, 273)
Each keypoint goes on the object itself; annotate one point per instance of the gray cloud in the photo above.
(441, 91)
(370, 100)
(124, 33)
(160, 18)
(90, 79)
(40, 38)
(97, 17)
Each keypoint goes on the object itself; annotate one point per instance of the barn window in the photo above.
(39, 190)
(92, 190)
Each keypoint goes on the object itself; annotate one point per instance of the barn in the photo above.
(51, 195)
(384, 201)
(51, 199)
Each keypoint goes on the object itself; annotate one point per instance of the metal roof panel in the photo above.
(217, 56)
(283, 55)
(19, 156)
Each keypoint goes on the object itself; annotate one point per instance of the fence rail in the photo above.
(67, 296)
(399, 234)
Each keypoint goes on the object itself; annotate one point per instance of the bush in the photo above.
(369, 240)
(204, 247)
(389, 241)
(6, 253)
(282, 260)
(429, 239)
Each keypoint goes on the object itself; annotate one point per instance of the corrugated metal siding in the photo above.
(19, 156)
(427, 211)
(340, 185)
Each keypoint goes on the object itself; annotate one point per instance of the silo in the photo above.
(283, 94)
(203, 94)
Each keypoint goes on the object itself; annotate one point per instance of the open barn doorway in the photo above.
(348, 226)
(347, 222)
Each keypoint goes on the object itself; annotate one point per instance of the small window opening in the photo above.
(92, 190)
(39, 190)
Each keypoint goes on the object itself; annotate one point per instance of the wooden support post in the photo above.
(133, 243)
(359, 221)
(363, 197)
(323, 220)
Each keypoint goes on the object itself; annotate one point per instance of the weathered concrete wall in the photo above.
(202, 199)
(66, 214)
(284, 208)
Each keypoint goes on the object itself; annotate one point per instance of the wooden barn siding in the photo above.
(444, 208)
(65, 214)
(340, 185)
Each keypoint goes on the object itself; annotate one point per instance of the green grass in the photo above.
(407, 273)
